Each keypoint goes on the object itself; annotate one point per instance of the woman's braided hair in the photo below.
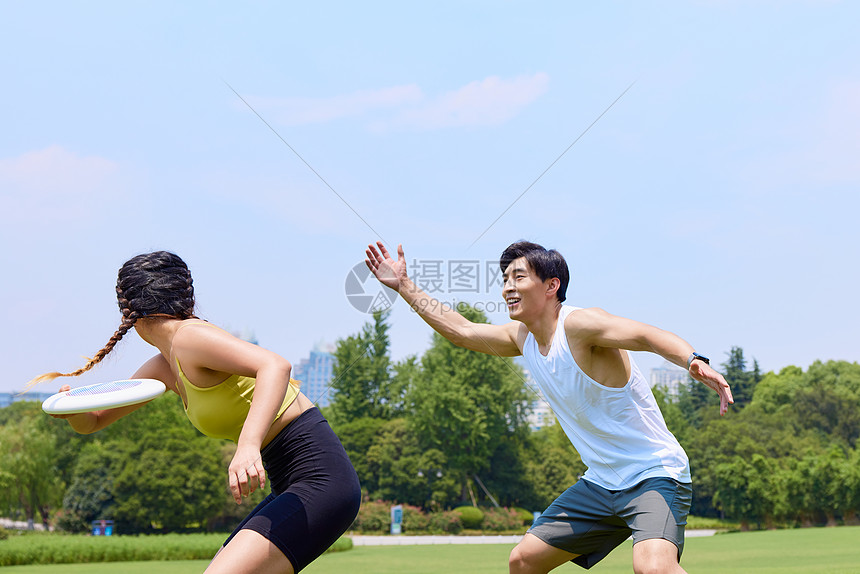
(156, 284)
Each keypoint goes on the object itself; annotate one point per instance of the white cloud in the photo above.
(298, 111)
(487, 102)
(53, 184)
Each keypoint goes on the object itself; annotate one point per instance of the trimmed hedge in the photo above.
(446, 521)
(41, 548)
(471, 516)
(374, 517)
(525, 516)
(501, 519)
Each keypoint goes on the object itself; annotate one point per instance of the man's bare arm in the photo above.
(597, 328)
(503, 340)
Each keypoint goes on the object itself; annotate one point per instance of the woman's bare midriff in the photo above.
(296, 408)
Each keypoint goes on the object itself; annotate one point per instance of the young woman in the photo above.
(237, 390)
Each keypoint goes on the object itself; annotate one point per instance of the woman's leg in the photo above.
(315, 498)
(248, 552)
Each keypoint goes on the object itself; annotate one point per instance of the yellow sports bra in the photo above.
(220, 411)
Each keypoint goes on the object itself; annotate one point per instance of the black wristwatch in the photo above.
(695, 356)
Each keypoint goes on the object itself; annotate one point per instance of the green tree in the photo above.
(405, 374)
(849, 492)
(169, 482)
(741, 381)
(231, 514)
(465, 404)
(696, 402)
(552, 465)
(151, 469)
(402, 471)
(673, 413)
(19, 410)
(357, 436)
(776, 391)
(362, 374)
(90, 495)
(800, 498)
(745, 434)
(166, 475)
(507, 478)
(28, 459)
(745, 489)
(830, 490)
(828, 400)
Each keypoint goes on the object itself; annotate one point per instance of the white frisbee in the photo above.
(103, 396)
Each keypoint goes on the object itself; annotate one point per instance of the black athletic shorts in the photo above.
(590, 521)
(315, 491)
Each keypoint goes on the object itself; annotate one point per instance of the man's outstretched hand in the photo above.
(389, 272)
(705, 374)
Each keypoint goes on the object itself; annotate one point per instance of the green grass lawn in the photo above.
(811, 550)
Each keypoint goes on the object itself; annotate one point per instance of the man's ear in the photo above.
(552, 286)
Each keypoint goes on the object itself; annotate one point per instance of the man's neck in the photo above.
(543, 327)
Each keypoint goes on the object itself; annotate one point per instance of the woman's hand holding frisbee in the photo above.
(63, 389)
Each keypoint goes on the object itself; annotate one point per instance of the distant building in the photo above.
(669, 379)
(7, 399)
(541, 414)
(315, 373)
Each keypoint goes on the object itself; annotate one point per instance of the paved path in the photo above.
(19, 525)
(405, 540)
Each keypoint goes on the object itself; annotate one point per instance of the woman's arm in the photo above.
(88, 423)
(213, 353)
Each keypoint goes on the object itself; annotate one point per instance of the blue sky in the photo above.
(716, 199)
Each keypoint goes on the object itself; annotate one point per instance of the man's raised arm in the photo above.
(597, 328)
(504, 340)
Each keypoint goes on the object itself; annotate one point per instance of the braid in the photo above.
(128, 322)
(189, 296)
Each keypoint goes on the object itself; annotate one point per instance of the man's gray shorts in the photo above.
(590, 521)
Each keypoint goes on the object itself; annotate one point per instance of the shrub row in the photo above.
(374, 517)
(28, 548)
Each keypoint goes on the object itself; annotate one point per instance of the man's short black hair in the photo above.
(545, 263)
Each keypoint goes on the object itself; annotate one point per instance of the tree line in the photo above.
(150, 471)
(786, 454)
(445, 429)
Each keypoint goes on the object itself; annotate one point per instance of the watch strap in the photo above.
(694, 356)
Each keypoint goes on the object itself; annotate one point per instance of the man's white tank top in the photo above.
(619, 432)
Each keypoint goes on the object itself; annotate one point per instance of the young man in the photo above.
(638, 477)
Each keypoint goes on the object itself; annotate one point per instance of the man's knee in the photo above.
(517, 560)
(656, 557)
(657, 567)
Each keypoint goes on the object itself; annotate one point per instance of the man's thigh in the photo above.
(583, 523)
(657, 508)
(532, 555)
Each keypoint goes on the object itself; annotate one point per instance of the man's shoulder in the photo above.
(584, 318)
(520, 333)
